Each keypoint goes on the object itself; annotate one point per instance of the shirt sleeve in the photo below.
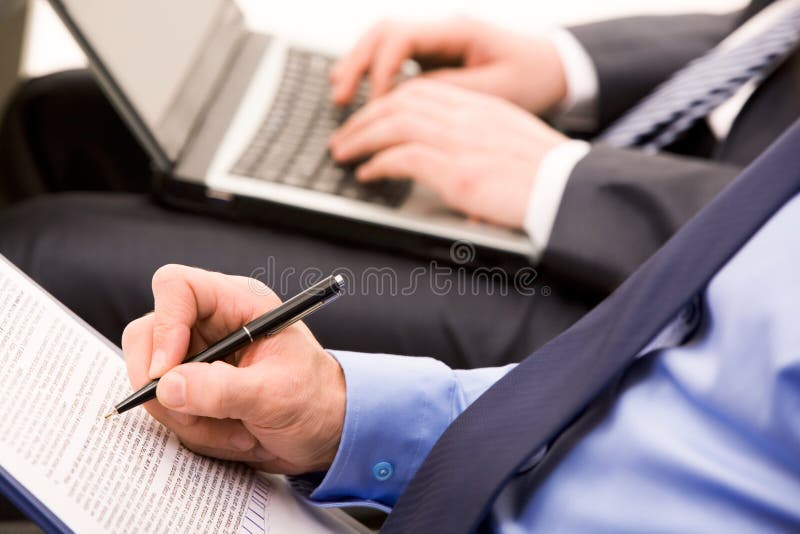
(397, 408)
(548, 188)
(578, 111)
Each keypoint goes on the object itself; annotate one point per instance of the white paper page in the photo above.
(125, 474)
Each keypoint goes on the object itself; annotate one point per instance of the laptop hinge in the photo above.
(202, 83)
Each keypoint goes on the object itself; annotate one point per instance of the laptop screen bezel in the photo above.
(113, 90)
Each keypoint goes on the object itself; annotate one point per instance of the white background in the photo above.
(50, 48)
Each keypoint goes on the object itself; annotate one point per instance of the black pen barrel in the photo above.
(223, 348)
(147, 393)
(296, 308)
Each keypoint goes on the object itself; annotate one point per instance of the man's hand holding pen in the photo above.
(280, 409)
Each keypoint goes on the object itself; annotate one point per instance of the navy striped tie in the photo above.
(702, 85)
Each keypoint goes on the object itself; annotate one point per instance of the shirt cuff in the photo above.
(548, 188)
(397, 408)
(578, 111)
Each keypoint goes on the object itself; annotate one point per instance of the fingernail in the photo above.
(158, 363)
(242, 440)
(172, 390)
(361, 173)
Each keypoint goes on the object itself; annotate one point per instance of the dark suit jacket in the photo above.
(620, 206)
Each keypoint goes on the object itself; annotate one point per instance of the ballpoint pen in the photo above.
(268, 324)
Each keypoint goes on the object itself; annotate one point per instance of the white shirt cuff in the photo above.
(548, 188)
(578, 111)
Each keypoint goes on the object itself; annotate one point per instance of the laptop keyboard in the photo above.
(291, 145)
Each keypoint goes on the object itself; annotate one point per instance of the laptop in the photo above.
(236, 123)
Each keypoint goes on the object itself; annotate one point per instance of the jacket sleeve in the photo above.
(633, 55)
(620, 206)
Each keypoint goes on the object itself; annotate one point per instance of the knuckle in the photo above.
(132, 331)
(164, 328)
(258, 287)
(166, 274)
(187, 440)
(461, 186)
(463, 117)
(397, 45)
(273, 300)
(394, 103)
(383, 26)
(414, 155)
(127, 335)
(183, 420)
(425, 89)
(405, 126)
(416, 86)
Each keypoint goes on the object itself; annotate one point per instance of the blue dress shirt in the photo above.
(701, 436)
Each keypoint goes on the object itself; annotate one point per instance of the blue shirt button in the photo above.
(383, 471)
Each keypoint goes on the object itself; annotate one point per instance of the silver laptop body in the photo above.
(236, 122)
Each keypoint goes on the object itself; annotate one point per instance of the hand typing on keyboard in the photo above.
(523, 69)
(464, 129)
(479, 153)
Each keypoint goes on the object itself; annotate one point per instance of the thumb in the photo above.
(217, 390)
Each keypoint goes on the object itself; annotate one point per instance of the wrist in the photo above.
(332, 408)
(577, 108)
(532, 173)
(558, 80)
(542, 77)
(552, 175)
(397, 407)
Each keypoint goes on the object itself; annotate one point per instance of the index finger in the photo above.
(348, 71)
(186, 297)
(387, 46)
(137, 346)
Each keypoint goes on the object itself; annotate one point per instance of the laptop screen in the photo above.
(149, 48)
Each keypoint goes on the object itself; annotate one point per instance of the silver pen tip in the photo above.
(339, 279)
(109, 414)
